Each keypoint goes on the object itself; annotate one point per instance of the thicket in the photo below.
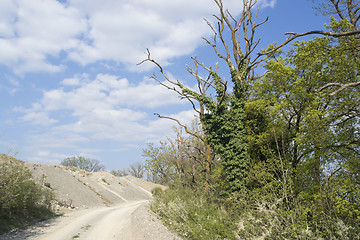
(22, 199)
(285, 153)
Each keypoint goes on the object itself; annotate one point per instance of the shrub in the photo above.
(22, 200)
(271, 220)
(156, 191)
(193, 215)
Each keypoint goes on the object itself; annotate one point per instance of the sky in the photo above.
(69, 80)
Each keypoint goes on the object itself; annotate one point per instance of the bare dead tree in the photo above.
(203, 85)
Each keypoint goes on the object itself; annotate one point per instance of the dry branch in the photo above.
(182, 125)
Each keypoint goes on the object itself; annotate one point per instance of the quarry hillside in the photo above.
(91, 200)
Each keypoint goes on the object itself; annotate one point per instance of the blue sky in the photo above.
(69, 83)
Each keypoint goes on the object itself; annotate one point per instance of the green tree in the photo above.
(91, 165)
(160, 164)
(345, 25)
(306, 146)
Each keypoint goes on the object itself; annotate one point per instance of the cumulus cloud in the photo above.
(32, 37)
(30, 33)
(122, 30)
(86, 113)
(107, 107)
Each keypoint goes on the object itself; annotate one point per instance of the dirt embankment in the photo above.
(94, 204)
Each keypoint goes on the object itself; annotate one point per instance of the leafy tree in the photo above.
(316, 122)
(160, 164)
(346, 16)
(91, 165)
(309, 140)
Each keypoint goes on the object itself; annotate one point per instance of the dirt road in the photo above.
(98, 206)
(127, 221)
(98, 223)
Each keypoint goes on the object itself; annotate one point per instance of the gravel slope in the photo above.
(94, 204)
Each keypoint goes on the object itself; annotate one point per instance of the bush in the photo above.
(22, 200)
(271, 220)
(193, 216)
(157, 191)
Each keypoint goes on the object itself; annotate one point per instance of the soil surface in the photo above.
(94, 205)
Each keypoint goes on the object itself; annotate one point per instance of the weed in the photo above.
(104, 180)
(76, 236)
(85, 228)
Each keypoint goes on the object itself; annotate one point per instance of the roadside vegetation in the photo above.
(275, 156)
(22, 199)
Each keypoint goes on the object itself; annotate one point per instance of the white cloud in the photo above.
(122, 30)
(106, 107)
(165, 126)
(38, 118)
(97, 115)
(7, 7)
(268, 3)
(91, 30)
(33, 30)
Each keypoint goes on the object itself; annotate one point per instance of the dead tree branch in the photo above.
(182, 125)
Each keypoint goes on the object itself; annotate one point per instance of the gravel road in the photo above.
(94, 224)
(94, 206)
(127, 221)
